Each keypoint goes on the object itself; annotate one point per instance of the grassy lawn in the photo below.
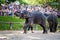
(59, 23)
(17, 26)
(10, 19)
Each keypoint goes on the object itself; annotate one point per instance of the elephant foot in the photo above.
(45, 32)
(32, 32)
(24, 32)
(53, 31)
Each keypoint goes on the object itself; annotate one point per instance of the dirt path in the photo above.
(37, 35)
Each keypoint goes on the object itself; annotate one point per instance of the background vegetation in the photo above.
(53, 3)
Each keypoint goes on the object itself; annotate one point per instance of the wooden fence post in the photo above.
(11, 25)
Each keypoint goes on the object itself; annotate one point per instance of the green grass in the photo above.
(17, 26)
(59, 23)
(10, 19)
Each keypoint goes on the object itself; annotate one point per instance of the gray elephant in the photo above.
(34, 18)
(52, 20)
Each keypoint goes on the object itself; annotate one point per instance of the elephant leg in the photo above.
(31, 24)
(29, 28)
(55, 27)
(51, 29)
(44, 28)
(51, 26)
(25, 27)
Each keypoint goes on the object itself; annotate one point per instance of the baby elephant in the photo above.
(52, 20)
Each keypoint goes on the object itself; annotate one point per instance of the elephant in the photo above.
(52, 20)
(33, 18)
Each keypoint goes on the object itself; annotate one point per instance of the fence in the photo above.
(36, 27)
(11, 23)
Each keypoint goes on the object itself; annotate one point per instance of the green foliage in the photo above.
(33, 2)
(53, 3)
(2, 1)
(11, 0)
(22, 1)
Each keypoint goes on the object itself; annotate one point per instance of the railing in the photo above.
(10, 23)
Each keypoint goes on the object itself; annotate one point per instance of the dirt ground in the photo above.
(37, 35)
